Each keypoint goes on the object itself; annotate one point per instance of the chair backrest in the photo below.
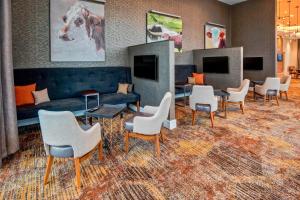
(152, 125)
(286, 79)
(59, 128)
(164, 107)
(203, 93)
(245, 87)
(272, 83)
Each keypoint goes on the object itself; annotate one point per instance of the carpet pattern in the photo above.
(250, 156)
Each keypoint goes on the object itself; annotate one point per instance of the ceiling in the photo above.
(288, 18)
(231, 2)
(283, 12)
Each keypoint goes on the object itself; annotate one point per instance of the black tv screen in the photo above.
(146, 67)
(253, 63)
(219, 65)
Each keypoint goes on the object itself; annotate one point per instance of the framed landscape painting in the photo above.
(215, 36)
(162, 27)
(77, 30)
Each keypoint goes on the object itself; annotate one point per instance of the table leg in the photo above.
(225, 106)
(184, 96)
(86, 120)
(111, 131)
(254, 95)
(121, 123)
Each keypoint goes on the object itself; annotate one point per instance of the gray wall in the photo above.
(125, 26)
(222, 81)
(253, 27)
(184, 58)
(153, 91)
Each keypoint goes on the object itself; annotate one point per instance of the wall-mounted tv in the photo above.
(253, 63)
(218, 65)
(146, 66)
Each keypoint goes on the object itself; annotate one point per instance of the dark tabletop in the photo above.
(88, 92)
(221, 93)
(182, 85)
(106, 111)
(258, 82)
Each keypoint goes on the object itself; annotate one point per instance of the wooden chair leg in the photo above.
(138, 106)
(280, 93)
(212, 119)
(157, 146)
(242, 106)
(126, 141)
(48, 168)
(77, 171)
(162, 135)
(265, 99)
(277, 100)
(286, 95)
(193, 117)
(100, 150)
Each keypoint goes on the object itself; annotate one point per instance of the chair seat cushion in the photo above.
(272, 92)
(129, 122)
(61, 151)
(203, 107)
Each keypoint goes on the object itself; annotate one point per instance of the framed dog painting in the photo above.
(77, 30)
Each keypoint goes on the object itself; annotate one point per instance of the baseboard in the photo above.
(170, 124)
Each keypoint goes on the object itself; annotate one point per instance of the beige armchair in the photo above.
(269, 89)
(203, 99)
(284, 85)
(237, 95)
(148, 125)
(64, 138)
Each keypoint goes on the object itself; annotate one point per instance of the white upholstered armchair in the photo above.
(237, 95)
(64, 138)
(269, 89)
(147, 125)
(284, 85)
(203, 99)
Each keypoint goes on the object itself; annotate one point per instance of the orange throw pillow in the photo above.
(199, 78)
(24, 94)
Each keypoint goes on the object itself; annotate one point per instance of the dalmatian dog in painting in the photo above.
(80, 16)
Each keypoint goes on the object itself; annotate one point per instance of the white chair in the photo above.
(284, 85)
(203, 99)
(237, 95)
(269, 89)
(64, 138)
(147, 125)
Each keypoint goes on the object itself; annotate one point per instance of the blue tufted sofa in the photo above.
(182, 72)
(65, 85)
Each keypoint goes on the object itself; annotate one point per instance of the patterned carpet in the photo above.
(250, 156)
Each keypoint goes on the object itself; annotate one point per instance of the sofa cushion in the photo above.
(118, 98)
(70, 104)
(75, 104)
(24, 94)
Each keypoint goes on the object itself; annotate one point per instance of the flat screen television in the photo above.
(253, 63)
(218, 65)
(146, 66)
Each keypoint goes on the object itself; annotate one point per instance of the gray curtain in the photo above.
(9, 141)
